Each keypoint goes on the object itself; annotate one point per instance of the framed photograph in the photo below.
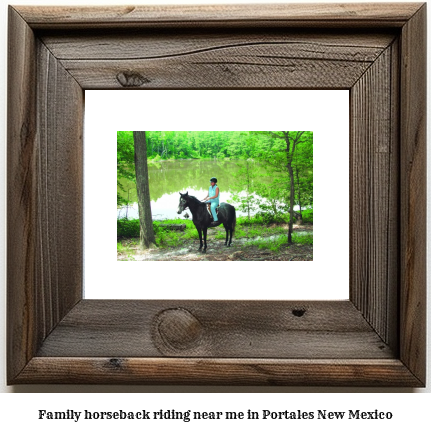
(252, 177)
(375, 337)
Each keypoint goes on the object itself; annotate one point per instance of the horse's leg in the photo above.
(200, 239)
(232, 225)
(205, 238)
(227, 235)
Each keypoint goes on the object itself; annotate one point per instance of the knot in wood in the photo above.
(298, 312)
(115, 363)
(178, 328)
(131, 79)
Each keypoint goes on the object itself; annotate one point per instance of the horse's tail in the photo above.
(228, 213)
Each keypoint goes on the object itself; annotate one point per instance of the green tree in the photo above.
(245, 179)
(287, 157)
(125, 162)
(303, 172)
(281, 158)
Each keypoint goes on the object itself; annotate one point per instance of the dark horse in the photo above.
(202, 218)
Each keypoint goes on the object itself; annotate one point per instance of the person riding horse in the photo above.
(202, 219)
(213, 199)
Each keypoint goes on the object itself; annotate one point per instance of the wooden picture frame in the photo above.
(376, 338)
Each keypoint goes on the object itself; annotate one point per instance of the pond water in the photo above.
(168, 178)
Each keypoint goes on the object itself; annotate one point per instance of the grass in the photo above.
(250, 231)
(305, 239)
(274, 244)
(245, 228)
(123, 248)
(170, 238)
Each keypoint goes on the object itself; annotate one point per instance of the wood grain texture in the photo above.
(53, 336)
(392, 303)
(413, 194)
(208, 60)
(267, 15)
(45, 105)
(241, 329)
(146, 45)
(374, 195)
(59, 244)
(21, 194)
(217, 371)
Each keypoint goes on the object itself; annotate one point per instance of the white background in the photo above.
(323, 112)
(19, 410)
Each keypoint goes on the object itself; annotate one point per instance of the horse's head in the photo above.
(183, 204)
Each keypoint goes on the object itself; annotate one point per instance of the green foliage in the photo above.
(307, 216)
(125, 150)
(269, 158)
(260, 235)
(269, 217)
(125, 162)
(245, 180)
(261, 218)
(286, 149)
(125, 249)
(127, 228)
(166, 238)
(155, 158)
(243, 221)
(275, 242)
(120, 200)
(201, 145)
(274, 208)
(239, 232)
(302, 238)
(220, 235)
(121, 247)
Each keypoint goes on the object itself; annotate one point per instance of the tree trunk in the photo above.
(292, 196)
(299, 193)
(143, 189)
(248, 189)
(289, 157)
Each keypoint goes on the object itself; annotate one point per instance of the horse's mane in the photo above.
(194, 199)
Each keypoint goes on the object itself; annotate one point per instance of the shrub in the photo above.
(128, 228)
(270, 217)
(307, 215)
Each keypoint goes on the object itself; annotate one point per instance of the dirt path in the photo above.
(240, 250)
